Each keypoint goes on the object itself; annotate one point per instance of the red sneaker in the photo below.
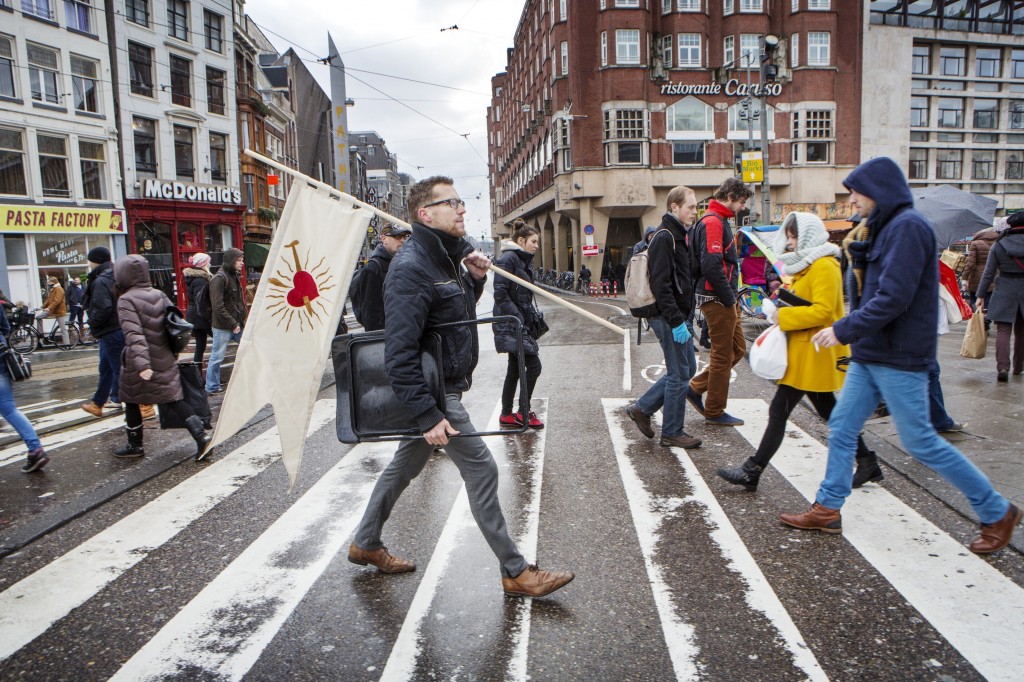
(535, 423)
(511, 420)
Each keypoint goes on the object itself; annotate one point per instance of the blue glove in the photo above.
(681, 334)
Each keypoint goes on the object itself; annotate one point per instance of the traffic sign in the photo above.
(590, 250)
(589, 229)
(753, 167)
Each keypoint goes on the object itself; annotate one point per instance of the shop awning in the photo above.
(256, 254)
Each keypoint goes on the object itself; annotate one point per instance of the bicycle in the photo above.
(751, 299)
(25, 338)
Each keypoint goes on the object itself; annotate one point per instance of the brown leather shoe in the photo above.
(995, 536)
(148, 411)
(816, 518)
(534, 582)
(683, 440)
(93, 409)
(384, 561)
(641, 419)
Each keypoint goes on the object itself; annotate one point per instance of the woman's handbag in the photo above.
(178, 330)
(769, 354)
(975, 338)
(536, 326)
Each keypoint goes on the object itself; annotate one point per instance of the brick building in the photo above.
(605, 105)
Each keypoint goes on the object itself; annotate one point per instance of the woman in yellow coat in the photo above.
(810, 262)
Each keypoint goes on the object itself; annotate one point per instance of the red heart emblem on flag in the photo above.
(304, 290)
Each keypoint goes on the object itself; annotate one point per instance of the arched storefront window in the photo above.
(690, 125)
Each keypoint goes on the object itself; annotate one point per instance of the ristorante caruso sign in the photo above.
(733, 88)
(186, 191)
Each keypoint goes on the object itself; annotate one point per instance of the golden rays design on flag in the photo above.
(298, 295)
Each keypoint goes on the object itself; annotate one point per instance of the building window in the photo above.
(794, 7)
(140, 69)
(1017, 63)
(250, 192)
(986, 113)
(728, 7)
(144, 134)
(794, 50)
(94, 175)
(750, 50)
(918, 164)
(818, 5)
(215, 102)
(921, 64)
(688, 5)
(814, 130)
(563, 150)
(38, 8)
(953, 61)
(181, 81)
(565, 58)
(79, 15)
(83, 81)
(689, 50)
(666, 6)
(562, 9)
(184, 153)
(688, 153)
(951, 112)
(666, 51)
(818, 48)
(751, 6)
(42, 73)
(983, 165)
(1017, 114)
(137, 11)
(728, 50)
(177, 19)
(988, 62)
(12, 163)
(949, 164)
(218, 158)
(604, 48)
(625, 133)
(53, 166)
(919, 111)
(7, 67)
(627, 3)
(213, 27)
(738, 121)
(1014, 167)
(627, 46)
(689, 115)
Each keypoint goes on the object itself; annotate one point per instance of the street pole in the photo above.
(747, 111)
(769, 44)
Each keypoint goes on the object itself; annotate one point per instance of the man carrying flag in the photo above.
(426, 287)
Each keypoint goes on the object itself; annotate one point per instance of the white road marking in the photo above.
(627, 367)
(974, 606)
(69, 581)
(679, 635)
(225, 628)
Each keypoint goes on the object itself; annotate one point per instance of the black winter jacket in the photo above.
(426, 287)
(513, 299)
(100, 301)
(367, 290)
(714, 247)
(669, 272)
(197, 279)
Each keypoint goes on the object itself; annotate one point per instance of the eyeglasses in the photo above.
(454, 203)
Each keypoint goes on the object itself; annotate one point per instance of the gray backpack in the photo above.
(639, 296)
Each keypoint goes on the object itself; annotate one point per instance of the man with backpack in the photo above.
(225, 291)
(101, 305)
(716, 274)
(367, 289)
(668, 268)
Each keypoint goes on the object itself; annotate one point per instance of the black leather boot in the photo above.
(134, 446)
(747, 475)
(867, 471)
(194, 424)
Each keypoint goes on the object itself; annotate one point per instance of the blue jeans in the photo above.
(669, 392)
(10, 412)
(936, 405)
(221, 339)
(111, 346)
(905, 393)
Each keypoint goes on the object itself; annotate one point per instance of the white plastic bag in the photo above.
(768, 354)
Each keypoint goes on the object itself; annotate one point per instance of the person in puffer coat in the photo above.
(149, 368)
(513, 299)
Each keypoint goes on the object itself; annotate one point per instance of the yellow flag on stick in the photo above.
(293, 317)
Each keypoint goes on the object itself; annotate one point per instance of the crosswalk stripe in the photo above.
(258, 587)
(88, 568)
(954, 590)
(759, 594)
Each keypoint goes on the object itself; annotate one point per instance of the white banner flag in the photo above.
(293, 317)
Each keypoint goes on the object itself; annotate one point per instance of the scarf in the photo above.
(811, 244)
(856, 246)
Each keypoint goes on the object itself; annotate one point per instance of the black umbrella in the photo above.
(953, 213)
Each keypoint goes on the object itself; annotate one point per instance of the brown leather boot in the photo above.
(816, 518)
(641, 419)
(92, 408)
(384, 561)
(995, 536)
(534, 582)
(683, 440)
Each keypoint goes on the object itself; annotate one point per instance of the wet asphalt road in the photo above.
(678, 575)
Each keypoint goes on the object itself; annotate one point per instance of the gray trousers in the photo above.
(479, 472)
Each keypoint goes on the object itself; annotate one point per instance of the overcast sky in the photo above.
(404, 38)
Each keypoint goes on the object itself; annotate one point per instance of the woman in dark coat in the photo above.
(513, 299)
(149, 368)
(197, 278)
(1006, 302)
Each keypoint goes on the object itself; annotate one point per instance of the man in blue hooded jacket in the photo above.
(893, 281)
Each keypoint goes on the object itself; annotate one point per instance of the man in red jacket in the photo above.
(715, 291)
